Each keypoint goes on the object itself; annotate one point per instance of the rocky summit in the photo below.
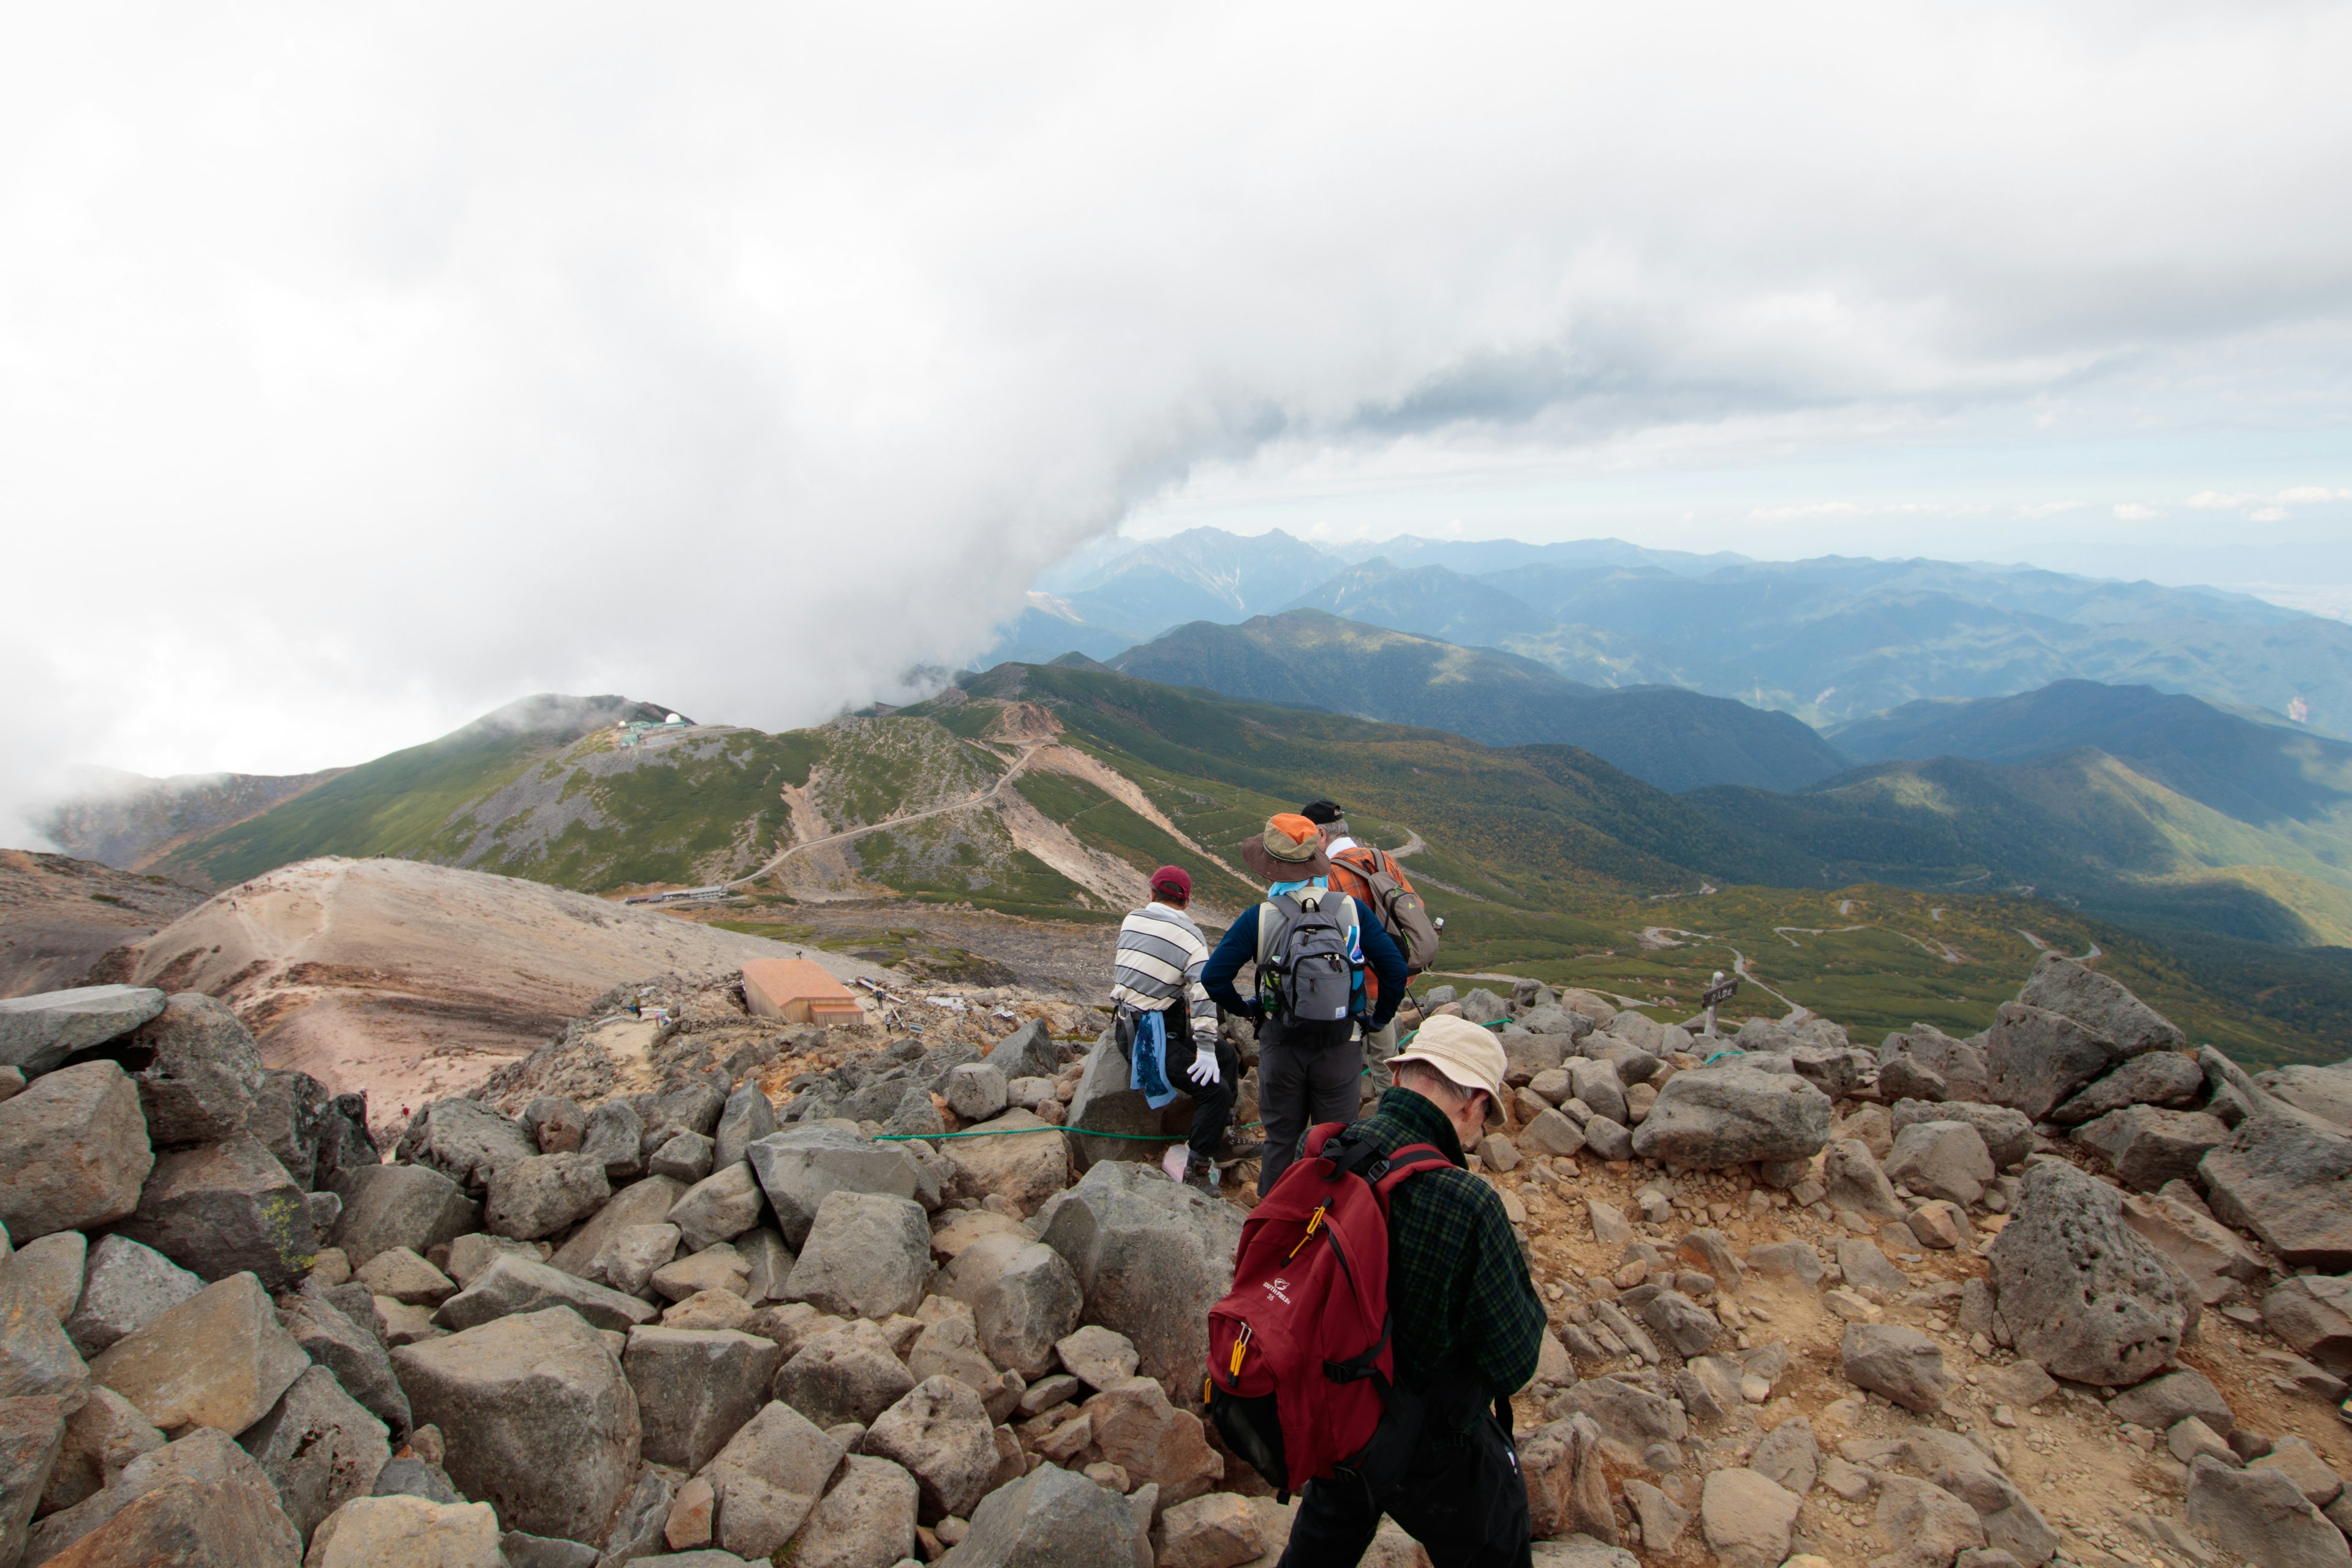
(2069, 1290)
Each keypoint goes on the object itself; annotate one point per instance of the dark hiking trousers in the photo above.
(1307, 1074)
(1213, 1108)
(1464, 1500)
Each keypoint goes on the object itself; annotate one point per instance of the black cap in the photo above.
(1321, 812)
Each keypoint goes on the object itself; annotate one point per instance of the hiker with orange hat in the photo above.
(1311, 945)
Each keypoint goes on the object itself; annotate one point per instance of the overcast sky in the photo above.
(361, 373)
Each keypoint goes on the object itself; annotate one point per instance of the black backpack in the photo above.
(1307, 969)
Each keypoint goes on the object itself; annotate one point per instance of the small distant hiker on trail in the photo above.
(1372, 877)
(1463, 1321)
(1311, 945)
(1157, 972)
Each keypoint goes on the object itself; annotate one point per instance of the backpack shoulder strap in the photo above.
(1273, 916)
(1407, 1161)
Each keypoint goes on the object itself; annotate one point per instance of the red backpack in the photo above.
(1300, 1376)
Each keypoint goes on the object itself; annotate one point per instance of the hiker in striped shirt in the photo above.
(1157, 970)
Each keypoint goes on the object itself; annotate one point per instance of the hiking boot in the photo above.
(1200, 1172)
(1242, 1149)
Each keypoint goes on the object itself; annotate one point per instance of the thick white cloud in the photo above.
(358, 372)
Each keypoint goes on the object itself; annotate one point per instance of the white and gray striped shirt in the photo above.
(1160, 952)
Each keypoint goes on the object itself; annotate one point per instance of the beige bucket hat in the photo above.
(1469, 1057)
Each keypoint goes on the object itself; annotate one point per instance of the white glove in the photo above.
(1203, 1070)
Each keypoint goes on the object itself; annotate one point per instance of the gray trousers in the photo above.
(1307, 1075)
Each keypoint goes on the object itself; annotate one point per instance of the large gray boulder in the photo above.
(513, 1285)
(1941, 1160)
(2314, 1314)
(124, 1286)
(1151, 1257)
(647, 1202)
(353, 1352)
(2059, 985)
(197, 1502)
(2148, 1147)
(32, 1450)
(318, 1446)
(1024, 1296)
(201, 1072)
(2008, 1133)
(1959, 1063)
(768, 1477)
(536, 1417)
(543, 1194)
(2169, 1079)
(1048, 1519)
(2324, 1092)
(617, 1136)
(940, 1432)
(695, 1387)
(1103, 1102)
(73, 1152)
(37, 1033)
(387, 1206)
(2081, 1292)
(2038, 1059)
(36, 1359)
(1019, 1158)
(2163, 1402)
(225, 1208)
(218, 1359)
(801, 1166)
(2262, 1517)
(1851, 1179)
(849, 1374)
(1027, 1052)
(720, 1207)
(1722, 1116)
(743, 1121)
(868, 1255)
(867, 1520)
(2284, 1174)
(466, 1141)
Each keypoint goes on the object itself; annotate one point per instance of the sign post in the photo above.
(1717, 993)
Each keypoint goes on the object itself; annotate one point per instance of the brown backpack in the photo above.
(1373, 878)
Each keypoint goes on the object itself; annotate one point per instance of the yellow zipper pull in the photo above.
(1312, 1221)
(1241, 1344)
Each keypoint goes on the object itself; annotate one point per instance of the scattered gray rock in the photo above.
(515, 1285)
(2148, 1147)
(2324, 1092)
(865, 1521)
(978, 1091)
(466, 1141)
(801, 1166)
(1941, 1160)
(218, 1359)
(353, 1352)
(2284, 1174)
(743, 1121)
(544, 1194)
(2263, 1516)
(1788, 1259)
(1851, 1179)
(1928, 1526)
(695, 1388)
(1027, 1052)
(2169, 1079)
(1959, 1065)
(1788, 1456)
(848, 1375)
(1048, 1519)
(387, 1206)
(1607, 1139)
(767, 1478)
(124, 1286)
(2163, 1402)
(647, 1202)
(36, 1359)
(1151, 1257)
(1024, 1167)
(683, 1156)
(2008, 1134)
(318, 1446)
(2079, 1291)
(868, 1255)
(289, 1108)
(536, 1417)
(37, 1033)
(1728, 1115)
(615, 1135)
(940, 1432)
(720, 1207)
(2062, 985)
(73, 1150)
(1747, 1519)
(2038, 1057)
(556, 1124)
(201, 1073)
(2314, 1314)
(1024, 1296)
(1901, 1363)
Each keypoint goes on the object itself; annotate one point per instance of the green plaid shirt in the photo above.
(1458, 1289)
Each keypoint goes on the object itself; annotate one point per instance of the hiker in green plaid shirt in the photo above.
(1468, 1327)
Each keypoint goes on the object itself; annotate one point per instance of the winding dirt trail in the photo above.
(982, 798)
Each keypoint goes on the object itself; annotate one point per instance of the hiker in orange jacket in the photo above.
(1350, 860)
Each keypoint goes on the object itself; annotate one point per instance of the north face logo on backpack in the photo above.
(1279, 1291)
